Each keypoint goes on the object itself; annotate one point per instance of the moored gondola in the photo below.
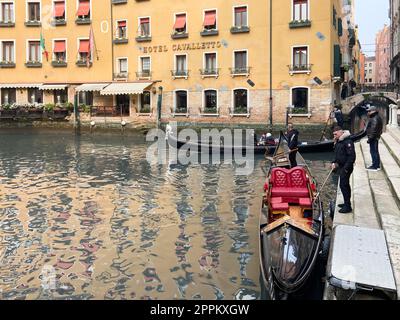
(291, 225)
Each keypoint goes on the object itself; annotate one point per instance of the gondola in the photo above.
(291, 227)
(303, 147)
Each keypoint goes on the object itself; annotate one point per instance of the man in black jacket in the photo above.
(292, 136)
(345, 156)
(374, 132)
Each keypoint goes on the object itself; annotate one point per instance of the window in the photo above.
(241, 62)
(35, 95)
(84, 48)
(60, 96)
(59, 10)
(210, 63)
(59, 51)
(145, 102)
(83, 9)
(7, 12)
(34, 54)
(300, 10)
(85, 98)
(121, 29)
(300, 99)
(180, 23)
(33, 11)
(210, 101)
(123, 65)
(181, 101)
(8, 96)
(145, 65)
(240, 104)
(144, 27)
(300, 58)
(210, 20)
(240, 17)
(7, 52)
(180, 65)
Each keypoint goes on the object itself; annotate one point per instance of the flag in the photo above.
(43, 46)
(91, 47)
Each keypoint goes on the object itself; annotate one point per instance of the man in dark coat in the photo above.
(292, 137)
(338, 115)
(345, 156)
(374, 132)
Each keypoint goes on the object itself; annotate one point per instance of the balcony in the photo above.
(180, 35)
(299, 68)
(240, 29)
(143, 75)
(180, 74)
(299, 24)
(143, 38)
(59, 64)
(209, 32)
(120, 40)
(58, 22)
(180, 112)
(33, 23)
(6, 24)
(83, 63)
(33, 64)
(83, 20)
(243, 71)
(209, 112)
(7, 64)
(121, 76)
(240, 111)
(119, 1)
(209, 73)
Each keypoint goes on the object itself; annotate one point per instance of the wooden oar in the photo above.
(323, 185)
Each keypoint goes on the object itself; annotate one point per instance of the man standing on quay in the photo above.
(374, 132)
(345, 156)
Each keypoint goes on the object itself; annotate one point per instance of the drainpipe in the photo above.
(270, 64)
(112, 40)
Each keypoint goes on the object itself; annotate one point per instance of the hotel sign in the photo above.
(183, 47)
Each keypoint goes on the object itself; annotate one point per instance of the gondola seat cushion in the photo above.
(289, 184)
(280, 208)
(290, 193)
(305, 202)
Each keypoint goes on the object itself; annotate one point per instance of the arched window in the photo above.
(210, 101)
(240, 101)
(300, 99)
(181, 101)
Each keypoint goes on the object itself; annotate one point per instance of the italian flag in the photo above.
(43, 46)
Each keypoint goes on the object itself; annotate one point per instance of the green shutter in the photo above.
(340, 27)
(337, 61)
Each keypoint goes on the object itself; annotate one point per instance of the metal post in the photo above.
(159, 105)
(270, 64)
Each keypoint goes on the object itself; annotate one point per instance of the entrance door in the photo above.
(123, 104)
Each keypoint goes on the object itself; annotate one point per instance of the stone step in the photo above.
(390, 140)
(395, 133)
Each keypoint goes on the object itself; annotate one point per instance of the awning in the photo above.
(125, 88)
(240, 9)
(19, 85)
(144, 20)
(59, 46)
(86, 87)
(84, 8)
(121, 24)
(52, 87)
(210, 18)
(59, 9)
(180, 21)
(83, 46)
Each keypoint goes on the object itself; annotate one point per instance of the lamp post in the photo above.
(270, 64)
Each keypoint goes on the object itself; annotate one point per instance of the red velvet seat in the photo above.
(305, 202)
(289, 184)
(276, 200)
(290, 192)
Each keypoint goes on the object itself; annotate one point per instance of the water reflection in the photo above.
(88, 218)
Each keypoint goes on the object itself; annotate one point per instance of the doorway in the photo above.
(123, 104)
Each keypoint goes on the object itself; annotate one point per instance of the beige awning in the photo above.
(91, 87)
(52, 87)
(125, 88)
(19, 85)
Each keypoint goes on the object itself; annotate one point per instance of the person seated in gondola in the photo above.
(263, 140)
(270, 141)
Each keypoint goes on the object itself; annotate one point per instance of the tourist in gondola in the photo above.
(292, 136)
(374, 132)
(343, 164)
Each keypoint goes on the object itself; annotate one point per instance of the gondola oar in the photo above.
(323, 185)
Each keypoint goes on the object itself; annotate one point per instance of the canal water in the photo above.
(87, 217)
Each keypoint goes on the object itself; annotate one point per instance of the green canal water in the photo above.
(87, 217)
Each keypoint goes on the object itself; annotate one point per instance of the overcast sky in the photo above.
(371, 15)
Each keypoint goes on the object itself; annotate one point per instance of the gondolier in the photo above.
(292, 136)
(345, 156)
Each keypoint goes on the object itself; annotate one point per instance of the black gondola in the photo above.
(291, 225)
(303, 147)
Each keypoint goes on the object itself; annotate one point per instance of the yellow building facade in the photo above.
(205, 61)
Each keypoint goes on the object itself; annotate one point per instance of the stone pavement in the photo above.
(376, 196)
